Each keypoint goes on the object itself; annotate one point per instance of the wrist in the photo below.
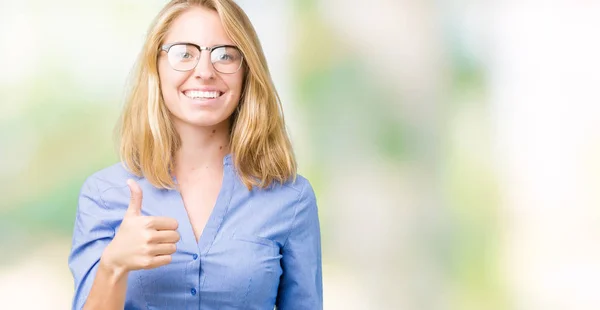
(115, 271)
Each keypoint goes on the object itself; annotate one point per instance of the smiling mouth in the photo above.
(202, 95)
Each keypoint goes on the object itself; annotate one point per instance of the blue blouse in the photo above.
(259, 248)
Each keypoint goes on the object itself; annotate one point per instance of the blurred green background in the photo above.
(453, 145)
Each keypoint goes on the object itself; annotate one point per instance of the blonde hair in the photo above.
(260, 147)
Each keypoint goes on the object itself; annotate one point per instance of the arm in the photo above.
(101, 258)
(97, 285)
(301, 285)
(108, 290)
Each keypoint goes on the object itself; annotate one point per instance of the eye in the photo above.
(225, 57)
(185, 55)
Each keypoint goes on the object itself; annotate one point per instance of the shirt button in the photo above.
(195, 256)
(193, 291)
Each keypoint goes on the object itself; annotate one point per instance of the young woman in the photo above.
(206, 210)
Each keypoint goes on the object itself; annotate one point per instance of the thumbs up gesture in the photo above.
(142, 242)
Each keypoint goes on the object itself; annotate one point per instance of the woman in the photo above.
(206, 210)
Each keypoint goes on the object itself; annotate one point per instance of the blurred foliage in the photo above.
(470, 187)
(346, 114)
(69, 136)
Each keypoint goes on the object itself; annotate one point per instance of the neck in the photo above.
(201, 148)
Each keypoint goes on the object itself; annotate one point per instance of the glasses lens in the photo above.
(183, 57)
(226, 59)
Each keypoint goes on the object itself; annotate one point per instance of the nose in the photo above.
(204, 69)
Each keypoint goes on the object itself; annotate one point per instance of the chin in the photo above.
(202, 115)
(206, 120)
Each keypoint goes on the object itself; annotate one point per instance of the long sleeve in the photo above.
(301, 284)
(92, 233)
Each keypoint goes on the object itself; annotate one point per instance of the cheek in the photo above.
(169, 93)
(235, 84)
(169, 82)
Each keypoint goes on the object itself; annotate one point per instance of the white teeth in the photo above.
(195, 94)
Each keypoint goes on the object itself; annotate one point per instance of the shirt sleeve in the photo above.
(301, 284)
(91, 234)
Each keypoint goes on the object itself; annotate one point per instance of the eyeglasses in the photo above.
(182, 56)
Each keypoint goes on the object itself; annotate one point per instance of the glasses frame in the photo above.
(210, 49)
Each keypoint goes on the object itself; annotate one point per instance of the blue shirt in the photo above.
(259, 248)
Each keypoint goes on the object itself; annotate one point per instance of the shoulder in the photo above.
(292, 190)
(106, 190)
(297, 193)
(103, 199)
(113, 176)
(302, 187)
(305, 218)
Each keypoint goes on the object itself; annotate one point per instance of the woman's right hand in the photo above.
(141, 242)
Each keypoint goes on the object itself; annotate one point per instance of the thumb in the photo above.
(135, 203)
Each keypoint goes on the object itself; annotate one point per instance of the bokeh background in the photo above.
(454, 145)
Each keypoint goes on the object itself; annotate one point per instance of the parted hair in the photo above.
(260, 147)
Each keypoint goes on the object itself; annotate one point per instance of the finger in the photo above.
(165, 236)
(163, 249)
(135, 202)
(162, 223)
(159, 260)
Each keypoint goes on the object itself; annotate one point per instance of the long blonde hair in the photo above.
(260, 147)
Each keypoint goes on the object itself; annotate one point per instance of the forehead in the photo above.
(200, 26)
